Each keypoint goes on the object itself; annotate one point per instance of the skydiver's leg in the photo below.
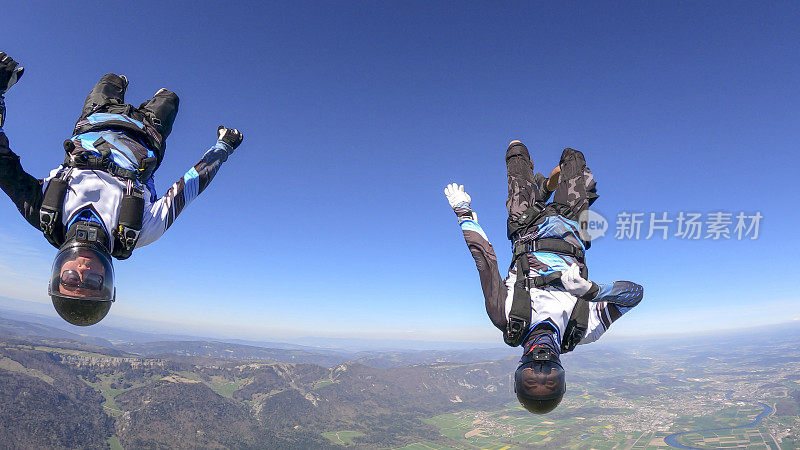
(162, 109)
(522, 188)
(23, 189)
(109, 90)
(576, 189)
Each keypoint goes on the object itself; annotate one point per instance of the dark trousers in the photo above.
(576, 189)
(109, 94)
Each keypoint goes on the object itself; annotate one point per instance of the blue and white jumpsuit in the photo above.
(550, 304)
(95, 194)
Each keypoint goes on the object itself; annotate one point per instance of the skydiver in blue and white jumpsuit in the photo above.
(540, 385)
(114, 151)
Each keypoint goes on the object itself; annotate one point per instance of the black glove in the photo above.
(10, 72)
(231, 137)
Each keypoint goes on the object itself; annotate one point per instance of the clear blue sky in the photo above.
(356, 115)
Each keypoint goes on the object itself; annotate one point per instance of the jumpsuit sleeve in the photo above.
(160, 215)
(621, 293)
(494, 288)
(23, 189)
(611, 302)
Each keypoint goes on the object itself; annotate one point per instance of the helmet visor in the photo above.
(84, 273)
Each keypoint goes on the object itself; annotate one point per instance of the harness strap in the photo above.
(148, 133)
(551, 245)
(129, 223)
(576, 327)
(551, 279)
(519, 319)
(52, 206)
(90, 161)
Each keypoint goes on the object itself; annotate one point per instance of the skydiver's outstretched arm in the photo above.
(494, 288)
(23, 189)
(162, 214)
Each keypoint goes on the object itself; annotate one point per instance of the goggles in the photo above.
(71, 279)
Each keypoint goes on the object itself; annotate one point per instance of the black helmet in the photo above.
(540, 380)
(80, 312)
(82, 277)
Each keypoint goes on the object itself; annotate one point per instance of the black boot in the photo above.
(161, 110)
(109, 90)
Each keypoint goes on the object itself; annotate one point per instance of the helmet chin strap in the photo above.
(541, 346)
(541, 338)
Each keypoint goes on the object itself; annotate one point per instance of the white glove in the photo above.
(456, 196)
(459, 201)
(573, 281)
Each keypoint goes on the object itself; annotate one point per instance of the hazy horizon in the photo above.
(352, 342)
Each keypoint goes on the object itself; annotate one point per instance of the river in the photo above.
(672, 439)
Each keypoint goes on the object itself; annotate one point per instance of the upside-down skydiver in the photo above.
(101, 202)
(547, 305)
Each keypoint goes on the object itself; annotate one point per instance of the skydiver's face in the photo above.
(82, 276)
(539, 383)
